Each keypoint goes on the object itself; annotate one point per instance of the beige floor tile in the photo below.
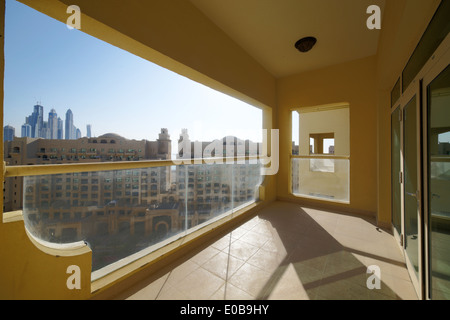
(255, 238)
(250, 224)
(230, 292)
(288, 222)
(200, 284)
(361, 229)
(266, 260)
(313, 253)
(205, 255)
(275, 244)
(309, 277)
(400, 288)
(263, 227)
(373, 248)
(342, 262)
(223, 242)
(223, 265)
(242, 250)
(169, 292)
(319, 216)
(151, 291)
(290, 286)
(252, 280)
(395, 268)
(342, 289)
(238, 232)
(180, 272)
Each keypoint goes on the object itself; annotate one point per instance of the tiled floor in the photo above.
(288, 252)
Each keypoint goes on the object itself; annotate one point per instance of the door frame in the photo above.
(440, 64)
(433, 67)
(413, 90)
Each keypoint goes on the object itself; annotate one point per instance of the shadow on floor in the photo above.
(286, 252)
(325, 268)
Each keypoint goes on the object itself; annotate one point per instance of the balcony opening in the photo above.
(120, 213)
(321, 143)
(320, 165)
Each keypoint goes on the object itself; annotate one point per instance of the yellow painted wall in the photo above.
(30, 271)
(352, 82)
(330, 121)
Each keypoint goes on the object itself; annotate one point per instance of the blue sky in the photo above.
(107, 87)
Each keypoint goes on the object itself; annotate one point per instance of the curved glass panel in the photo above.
(119, 213)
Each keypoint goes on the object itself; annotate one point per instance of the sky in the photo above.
(111, 89)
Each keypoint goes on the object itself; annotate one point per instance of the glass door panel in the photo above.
(438, 139)
(395, 167)
(411, 201)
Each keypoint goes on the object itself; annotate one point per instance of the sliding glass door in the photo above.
(396, 171)
(437, 98)
(411, 188)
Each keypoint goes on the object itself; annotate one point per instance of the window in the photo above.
(320, 166)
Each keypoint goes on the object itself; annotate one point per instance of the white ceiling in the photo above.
(268, 30)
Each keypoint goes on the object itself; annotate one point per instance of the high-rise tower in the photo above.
(53, 124)
(69, 135)
(60, 135)
(164, 142)
(88, 131)
(8, 133)
(36, 121)
(26, 130)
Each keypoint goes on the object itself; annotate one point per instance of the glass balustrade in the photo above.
(120, 213)
(321, 178)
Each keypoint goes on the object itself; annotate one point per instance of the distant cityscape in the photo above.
(54, 128)
(120, 212)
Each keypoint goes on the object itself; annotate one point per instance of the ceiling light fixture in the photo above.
(305, 44)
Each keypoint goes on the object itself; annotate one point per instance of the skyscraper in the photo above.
(26, 130)
(45, 130)
(88, 131)
(69, 125)
(8, 133)
(36, 121)
(60, 135)
(53, 124)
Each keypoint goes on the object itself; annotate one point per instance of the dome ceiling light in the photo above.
(305, 44)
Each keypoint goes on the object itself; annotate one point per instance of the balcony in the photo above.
(311, 230)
